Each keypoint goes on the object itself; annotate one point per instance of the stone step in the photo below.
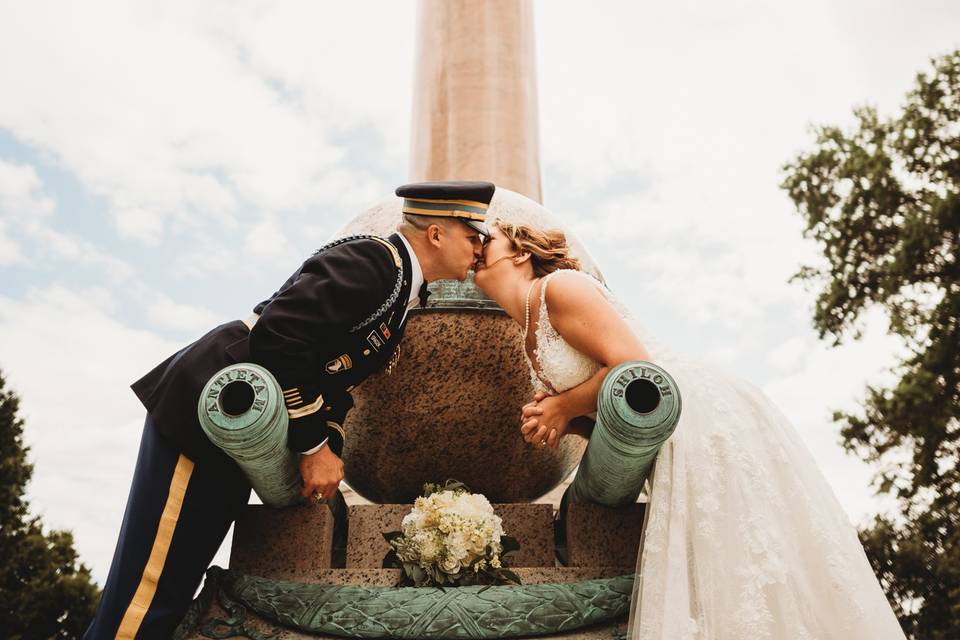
(528, 575)
(531, 524)
(297, 542)
(283, 544)
(600, 536)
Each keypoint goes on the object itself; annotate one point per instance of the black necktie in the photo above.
(424, 294)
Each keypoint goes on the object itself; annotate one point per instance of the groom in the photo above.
(335, 321)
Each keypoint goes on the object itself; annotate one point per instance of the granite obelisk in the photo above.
(475, 94)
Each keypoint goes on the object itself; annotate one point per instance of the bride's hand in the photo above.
(530, 409)
(545, 420)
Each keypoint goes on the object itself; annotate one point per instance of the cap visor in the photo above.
(477, 225)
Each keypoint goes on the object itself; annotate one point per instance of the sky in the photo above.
(163, 166)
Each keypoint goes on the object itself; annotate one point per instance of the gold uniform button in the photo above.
(366, 352)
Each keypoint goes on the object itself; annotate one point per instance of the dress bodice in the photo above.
(561, 367)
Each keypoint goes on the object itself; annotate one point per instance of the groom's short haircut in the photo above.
(411, 225)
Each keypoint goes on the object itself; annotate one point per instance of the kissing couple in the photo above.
(743, 536)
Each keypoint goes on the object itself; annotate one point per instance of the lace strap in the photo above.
(546, 279)
(543, 292)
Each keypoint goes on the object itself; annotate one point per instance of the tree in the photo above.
(44, 592)
(882, 202)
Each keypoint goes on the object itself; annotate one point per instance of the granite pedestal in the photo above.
(297, 544)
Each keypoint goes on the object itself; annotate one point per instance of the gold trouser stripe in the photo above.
(137, 609)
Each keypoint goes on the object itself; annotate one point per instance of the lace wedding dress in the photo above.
(744, 537)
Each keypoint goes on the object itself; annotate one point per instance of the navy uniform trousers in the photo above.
(177, 514)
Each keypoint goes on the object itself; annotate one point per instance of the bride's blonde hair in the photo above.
(548, 249)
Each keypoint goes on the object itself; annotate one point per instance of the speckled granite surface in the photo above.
(600, 536)
(285, 544)
(451, 409)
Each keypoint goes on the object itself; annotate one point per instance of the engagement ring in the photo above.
(318, 497)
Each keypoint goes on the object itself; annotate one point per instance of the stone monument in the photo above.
(451, 406)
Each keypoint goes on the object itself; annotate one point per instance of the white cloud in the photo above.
(10, 252)
(22, 198)
(816, 380)
(267, 239)
(139, 224)
(27, 211)
(177, 113)
(165, 313)
(71, 362)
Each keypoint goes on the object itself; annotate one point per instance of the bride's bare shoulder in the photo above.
(567, 290)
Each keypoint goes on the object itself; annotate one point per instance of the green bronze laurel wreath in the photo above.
(501, 611)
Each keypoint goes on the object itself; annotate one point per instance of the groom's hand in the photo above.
(322, 472)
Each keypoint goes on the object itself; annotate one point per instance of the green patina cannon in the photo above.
(241, 410)
(637, 410)
(638, 407)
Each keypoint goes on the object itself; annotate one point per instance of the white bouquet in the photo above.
(451, 537)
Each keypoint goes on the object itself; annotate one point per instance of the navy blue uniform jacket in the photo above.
(335, 321)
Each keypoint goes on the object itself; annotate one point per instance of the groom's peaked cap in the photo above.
(466, 201)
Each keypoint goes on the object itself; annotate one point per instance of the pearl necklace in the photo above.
(526, 310)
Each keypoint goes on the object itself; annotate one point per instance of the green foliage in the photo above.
(883, 203)
(44, 592)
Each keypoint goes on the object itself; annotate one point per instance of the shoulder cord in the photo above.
(397, 285)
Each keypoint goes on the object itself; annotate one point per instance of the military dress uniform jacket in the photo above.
(337, 319)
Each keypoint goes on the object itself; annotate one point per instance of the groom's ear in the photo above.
(433, 235)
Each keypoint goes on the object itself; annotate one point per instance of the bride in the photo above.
(744, 538)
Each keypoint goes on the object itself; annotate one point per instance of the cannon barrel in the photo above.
(637, 410)
(242, 411)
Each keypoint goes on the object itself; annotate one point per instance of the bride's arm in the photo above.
(583, 317)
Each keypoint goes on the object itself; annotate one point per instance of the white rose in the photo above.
(473, 507)
(442, 500)
(412, 521)
(450, 565)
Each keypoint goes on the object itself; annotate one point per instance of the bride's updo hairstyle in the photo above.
(548, 249)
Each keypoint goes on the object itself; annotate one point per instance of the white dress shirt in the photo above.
(416, 277)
